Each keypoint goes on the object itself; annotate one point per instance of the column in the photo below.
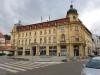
(81, 53)
(37, 50)
(23, 54)
(67, 51)
(86, 51)
(47, 50)
(71, 51)
(31, 52)
(15, 53)
(58, 50)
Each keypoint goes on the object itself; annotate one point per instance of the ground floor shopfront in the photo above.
(69, 50)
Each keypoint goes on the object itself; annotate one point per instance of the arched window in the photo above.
(63, 37)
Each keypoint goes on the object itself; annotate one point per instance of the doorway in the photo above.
(34, 50)
(42, 50)
(76, 50)
(63, 50)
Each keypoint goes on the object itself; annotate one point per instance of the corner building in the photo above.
(62, 37)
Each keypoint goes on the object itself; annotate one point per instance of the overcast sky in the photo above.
(30, 11)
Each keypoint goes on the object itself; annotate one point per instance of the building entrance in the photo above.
(42, 50)
(76, 50)
(63, 50)
(34, 50)
(20, 51)
(53, 50)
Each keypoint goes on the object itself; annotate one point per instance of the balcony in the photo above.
(76, 41)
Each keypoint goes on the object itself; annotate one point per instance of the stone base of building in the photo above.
(69, 50)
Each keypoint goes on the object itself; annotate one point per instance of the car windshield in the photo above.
(93, 64)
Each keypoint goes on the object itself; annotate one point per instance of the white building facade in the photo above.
(96, 39)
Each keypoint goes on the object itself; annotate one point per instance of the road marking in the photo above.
(16, 62)
(10, 70)
(12, 67)
(25, 65)
(39, 66)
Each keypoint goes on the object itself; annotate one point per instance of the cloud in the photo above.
(90, 15)
(30, 11)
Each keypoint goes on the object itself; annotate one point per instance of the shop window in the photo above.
(53, 50)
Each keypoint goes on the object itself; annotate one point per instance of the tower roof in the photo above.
(72, 10)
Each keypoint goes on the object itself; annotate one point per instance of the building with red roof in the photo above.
(67, 36)
(5, 44)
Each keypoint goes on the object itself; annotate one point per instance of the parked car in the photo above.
(10, 55)
(92, 67)
(2, 54)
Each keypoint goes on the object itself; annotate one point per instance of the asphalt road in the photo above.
(68, 68)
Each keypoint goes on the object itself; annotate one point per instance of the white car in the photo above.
(92, 67)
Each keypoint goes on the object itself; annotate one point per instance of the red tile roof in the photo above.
(49, 24)
(1, 35)
(43, 24)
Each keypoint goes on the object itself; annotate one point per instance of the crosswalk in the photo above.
(19, 66)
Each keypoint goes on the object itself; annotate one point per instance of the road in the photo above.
(14, 67)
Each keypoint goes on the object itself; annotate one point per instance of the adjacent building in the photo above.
(96, 39)
(62, 37)
(5, 45)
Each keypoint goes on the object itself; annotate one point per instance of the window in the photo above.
(77, 39)
(19, 42)
(40, 32)
(29, 41)
(45, 32)
(49, 39)
(53, 50)
(49, 31)
(35, 33)
(34, 40)
(22, 34)
(26, 34)
(44, 39)
(54, 30)
(63, 37)
(30, 33)
(62, 28)
(74, 17)
(22, 42)
(42, 50)
(19, 35)
(93, 63)
(63, 50)
(76, 28)
(13, 41)
(54, 39)
(40, 40)
(26, 42)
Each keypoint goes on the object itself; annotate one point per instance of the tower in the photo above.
(72, 14)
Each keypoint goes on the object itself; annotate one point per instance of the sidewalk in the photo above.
(40, 58)
(46, 59)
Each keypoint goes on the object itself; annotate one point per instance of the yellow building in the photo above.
(62, 37)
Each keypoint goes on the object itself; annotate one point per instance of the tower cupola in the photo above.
(72, 13)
